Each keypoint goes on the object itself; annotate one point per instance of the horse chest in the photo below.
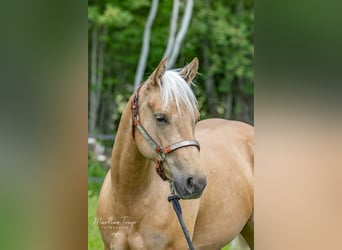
(137, 241)
(126, 241)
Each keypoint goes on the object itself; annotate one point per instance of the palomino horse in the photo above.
(214, 180)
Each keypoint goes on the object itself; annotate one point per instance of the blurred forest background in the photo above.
(219, 33)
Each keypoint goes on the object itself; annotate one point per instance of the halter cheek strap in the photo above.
(162, 152)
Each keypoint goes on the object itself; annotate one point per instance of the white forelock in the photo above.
(175, 88)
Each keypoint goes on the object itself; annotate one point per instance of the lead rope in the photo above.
(174, 199)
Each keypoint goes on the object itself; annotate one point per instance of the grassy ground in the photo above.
(96, 170)
(94, 238)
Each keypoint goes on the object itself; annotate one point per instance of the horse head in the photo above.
(168, 113)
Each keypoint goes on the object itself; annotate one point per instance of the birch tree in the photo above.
(177, 44)
(111, 16)
(96, 77)
(93, 69)
(175, 38)
(173, 29)
(146, 44)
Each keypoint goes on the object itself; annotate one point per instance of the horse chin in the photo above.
(184, 195)
(190, 197)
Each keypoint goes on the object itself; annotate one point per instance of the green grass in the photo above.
(95, 169)
(226, 247)
(94, 237)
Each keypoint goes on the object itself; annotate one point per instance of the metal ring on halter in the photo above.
(162, 155)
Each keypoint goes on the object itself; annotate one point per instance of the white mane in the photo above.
(175, 88)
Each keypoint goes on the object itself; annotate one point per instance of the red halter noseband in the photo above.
(162, 152)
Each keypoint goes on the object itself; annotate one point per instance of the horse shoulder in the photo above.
(227, 153)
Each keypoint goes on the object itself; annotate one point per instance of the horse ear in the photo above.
(189, 71)
(159, 72)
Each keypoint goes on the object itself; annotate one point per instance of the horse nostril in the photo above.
(190, 182)
(194, 186)
(190, 186)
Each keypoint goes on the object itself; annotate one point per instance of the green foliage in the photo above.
(226, 247)
(226, 26)
(111, 16)
(115, 16)
(136, 5)
(97, 170)
(94, 236)
(93, 13)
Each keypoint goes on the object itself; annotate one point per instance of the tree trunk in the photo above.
(210, 89)
(102, 49)
(93, 95)
(173, 29)
(146, 44)
(232, 100)
(181, 33)
(239, 102)
(96, 77)
(229, 106)
(239, 7)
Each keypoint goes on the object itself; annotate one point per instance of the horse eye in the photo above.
(161, 118)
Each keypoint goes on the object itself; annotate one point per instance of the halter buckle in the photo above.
(172, 187)
(162, 155)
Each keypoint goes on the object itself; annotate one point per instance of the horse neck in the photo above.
(131, 172)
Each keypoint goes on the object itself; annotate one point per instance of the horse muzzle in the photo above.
(190, 187)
